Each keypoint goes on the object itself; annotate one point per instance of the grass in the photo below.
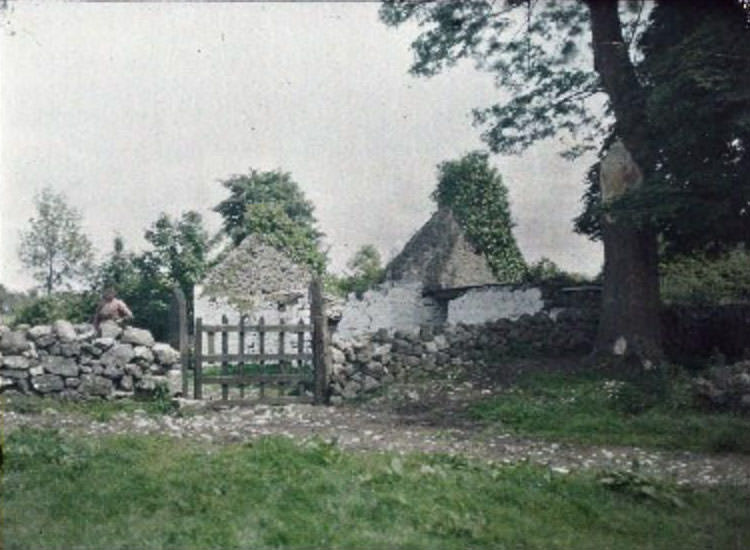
(100, 410)
(590, 409)
(158, 493)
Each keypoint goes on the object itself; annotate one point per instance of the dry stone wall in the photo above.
(77, 362)
(364, 363)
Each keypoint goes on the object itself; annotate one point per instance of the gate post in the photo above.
(321, 356)
(198, 365)
(178, 332)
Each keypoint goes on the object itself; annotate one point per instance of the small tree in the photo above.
(54, 246)
(475, 192)
(367, 271)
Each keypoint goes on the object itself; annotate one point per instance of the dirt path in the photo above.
(404, 422)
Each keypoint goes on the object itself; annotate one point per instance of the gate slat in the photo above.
(224, 358)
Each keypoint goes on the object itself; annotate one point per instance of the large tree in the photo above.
(542, 55)
(272, 205)
(54, 246)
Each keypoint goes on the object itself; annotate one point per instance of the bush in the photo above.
(73, 306)
(700, 280)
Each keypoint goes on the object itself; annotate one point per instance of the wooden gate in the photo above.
(295, 371)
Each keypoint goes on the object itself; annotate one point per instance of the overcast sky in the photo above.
(136, 109)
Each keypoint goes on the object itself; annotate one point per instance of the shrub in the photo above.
(77, 307)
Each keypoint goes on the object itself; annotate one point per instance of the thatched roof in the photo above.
(440, 256)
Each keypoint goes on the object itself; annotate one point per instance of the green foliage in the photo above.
(700, 280)
(180, 247)
(76, 307)
(272, 205)
(54, 246)
(299, 241)
(367, 271)
(178, 257)
(655, 411)
(150, 492)
(475, 193)
(534, 51)
(642, 487)
(695, 108)
(696, 81)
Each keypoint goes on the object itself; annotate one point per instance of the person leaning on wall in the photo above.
(111, 308)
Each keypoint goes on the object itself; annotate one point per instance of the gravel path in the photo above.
(393, 425)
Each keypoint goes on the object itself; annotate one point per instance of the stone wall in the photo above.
(364, 363)
(485, 304)
(390, 306)
(76, 362)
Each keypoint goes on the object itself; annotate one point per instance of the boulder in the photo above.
(13, 373)
(70, 349)
(95, 385)
(133, 370)
(126, 383)
(118, 355)
(13, 341)
(39, 331)
(174, 382)
(112, 371)
(137, 337)
(16, 362)
(64, 330)
(47, 383)
(105, 342)
(109, 329)
(62, 366)
(6, 382)
(166, 354)
(143, 354)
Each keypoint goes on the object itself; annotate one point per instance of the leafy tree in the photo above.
(367, 270)
(180, 249)
(539, 55)
(475, 193)
(272, 205)
(178, 257)
(54, 246)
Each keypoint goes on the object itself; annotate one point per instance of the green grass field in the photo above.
(589, 408)
(152, 493)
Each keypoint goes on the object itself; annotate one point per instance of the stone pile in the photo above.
(364, 363)
(74, 361)
(725, 388)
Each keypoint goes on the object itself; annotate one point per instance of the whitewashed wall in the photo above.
(481, 305)
(390, 306)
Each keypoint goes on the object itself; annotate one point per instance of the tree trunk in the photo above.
(629, 321)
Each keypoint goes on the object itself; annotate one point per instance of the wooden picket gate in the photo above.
(268, 377)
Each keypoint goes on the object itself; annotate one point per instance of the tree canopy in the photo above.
(272, 205)
(54, 246)
(475, 193)
(688, 98)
